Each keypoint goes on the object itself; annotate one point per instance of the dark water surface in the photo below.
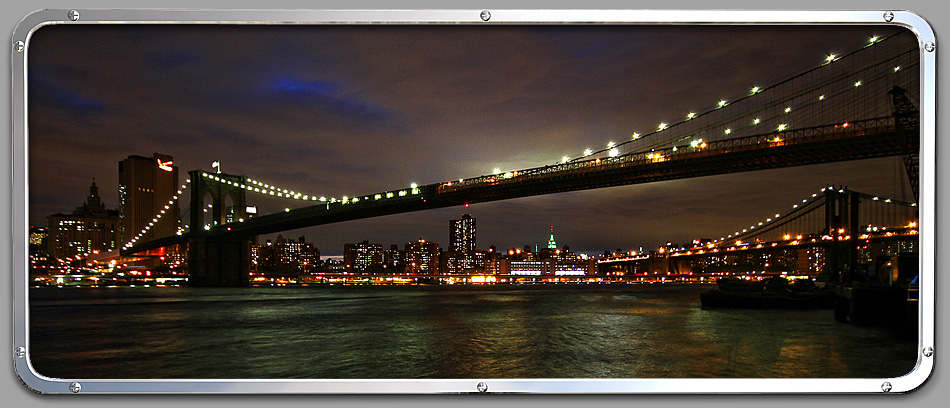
(497, 331)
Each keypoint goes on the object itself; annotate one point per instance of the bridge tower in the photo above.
(908, 119)
(215, 260)
(841, 214)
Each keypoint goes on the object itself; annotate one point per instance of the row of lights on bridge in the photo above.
(159, 216)
(769, 220)
(612, 148)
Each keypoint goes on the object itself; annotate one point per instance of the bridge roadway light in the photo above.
(722, 103)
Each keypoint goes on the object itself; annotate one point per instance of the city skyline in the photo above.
(422, 105)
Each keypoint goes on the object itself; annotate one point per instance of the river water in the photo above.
(442, 331)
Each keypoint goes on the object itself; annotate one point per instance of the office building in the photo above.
(363, 257)
(462, 234)
(90, 229)
(146, 185)
(422, 258)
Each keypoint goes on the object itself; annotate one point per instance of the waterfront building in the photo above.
(284, 258)
(464, 262)
(394, 259)
(422, 257)
(146, 185)
(462, 234)
(363, 257)
(38, 237)
(89, 229)
(545, 267)
(811, 261)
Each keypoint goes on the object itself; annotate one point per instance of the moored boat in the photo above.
(773, 293)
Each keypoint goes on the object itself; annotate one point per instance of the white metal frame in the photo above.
(927, 199)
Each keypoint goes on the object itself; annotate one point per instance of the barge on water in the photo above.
(772, 293)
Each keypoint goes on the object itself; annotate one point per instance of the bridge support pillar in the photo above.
(218, 261)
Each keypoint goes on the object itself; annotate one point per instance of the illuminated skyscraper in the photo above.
(363, 257)
(551, 243)
(422, 257)
(462, 234)
(146, 184)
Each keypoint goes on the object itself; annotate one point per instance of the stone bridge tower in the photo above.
(215, 260)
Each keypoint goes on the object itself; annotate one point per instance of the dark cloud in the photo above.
(168, 60)
(45, 89)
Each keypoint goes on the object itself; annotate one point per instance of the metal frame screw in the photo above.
(485, 15)
(888, 16)
(20, 352)
(75, 387)
(73, 15)
(928, 351)
(19, 46)
(482, 387)
(929, 46)
(886, 387)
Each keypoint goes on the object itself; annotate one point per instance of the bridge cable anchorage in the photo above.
(839, 74)
(170, 206)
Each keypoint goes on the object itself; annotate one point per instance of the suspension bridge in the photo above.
(830, 232)
(853, 106)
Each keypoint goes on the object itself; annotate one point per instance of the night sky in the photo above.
(353, 110)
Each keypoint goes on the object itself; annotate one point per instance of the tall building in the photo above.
(146, 184)
(393, 258)
(284, 257)
(462, 234)
(90, 229)
(551, 243)
(363, 257)
(462, 262)
(422, 257)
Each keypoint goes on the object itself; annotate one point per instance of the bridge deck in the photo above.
(815, 145)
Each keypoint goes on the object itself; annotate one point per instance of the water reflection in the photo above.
(442, 332)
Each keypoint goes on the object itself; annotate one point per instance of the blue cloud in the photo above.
(327, 96)
(43, 89)
(303, 88)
